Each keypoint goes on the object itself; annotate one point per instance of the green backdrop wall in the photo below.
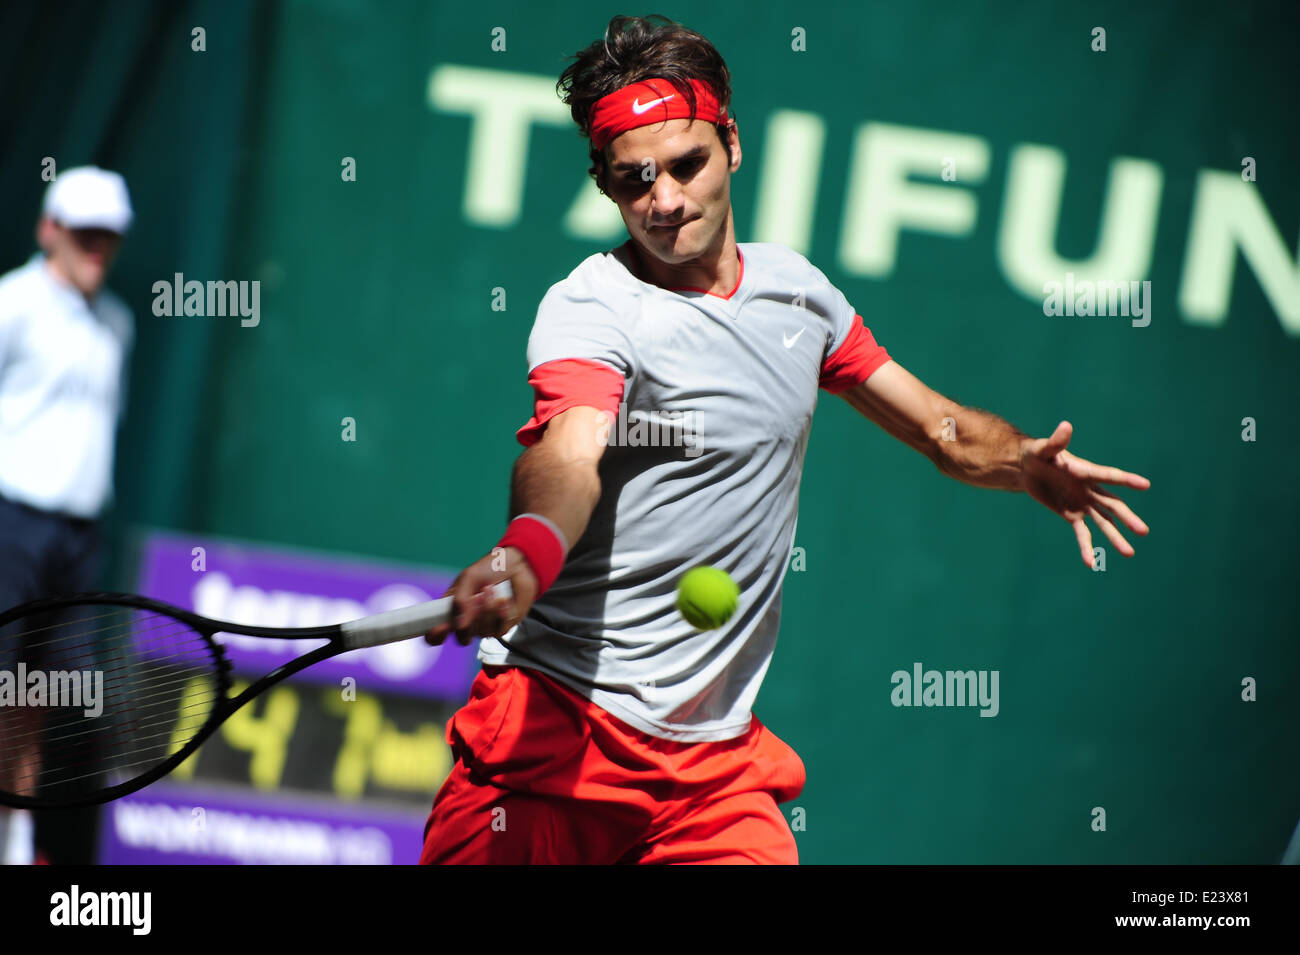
(1120, 689)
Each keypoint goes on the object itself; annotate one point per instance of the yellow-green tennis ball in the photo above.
(707, 597)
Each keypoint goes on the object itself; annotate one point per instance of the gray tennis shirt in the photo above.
(703, 467)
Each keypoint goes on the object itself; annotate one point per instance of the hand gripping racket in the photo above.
(102, 694)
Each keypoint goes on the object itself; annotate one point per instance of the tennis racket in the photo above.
(102, 694)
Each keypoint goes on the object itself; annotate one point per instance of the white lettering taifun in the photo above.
(884, 197)
(74, 907)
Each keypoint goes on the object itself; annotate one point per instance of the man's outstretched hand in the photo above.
(477, 614)
(1070, 486)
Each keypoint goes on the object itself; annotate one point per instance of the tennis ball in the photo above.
(707, 597)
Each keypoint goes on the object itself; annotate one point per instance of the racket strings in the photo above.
(152, 680)
(48, 734)
(73, 629)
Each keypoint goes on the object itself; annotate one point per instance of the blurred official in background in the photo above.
(64, 341)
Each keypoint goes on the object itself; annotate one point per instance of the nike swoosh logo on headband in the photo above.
(639, 109)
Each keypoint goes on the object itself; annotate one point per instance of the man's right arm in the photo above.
(556, 478)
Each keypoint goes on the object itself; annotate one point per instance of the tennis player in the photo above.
(675, 379)
(64, 341)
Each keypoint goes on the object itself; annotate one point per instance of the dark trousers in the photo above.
(43, 554)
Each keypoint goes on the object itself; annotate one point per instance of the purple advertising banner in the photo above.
(196, 825)
(271, 587)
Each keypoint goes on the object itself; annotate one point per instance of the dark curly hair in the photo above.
(635, 49)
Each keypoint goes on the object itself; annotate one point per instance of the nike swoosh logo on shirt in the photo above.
(789, 342)
(639, 109)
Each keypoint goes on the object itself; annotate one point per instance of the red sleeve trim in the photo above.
(854, 361)
(570, 383)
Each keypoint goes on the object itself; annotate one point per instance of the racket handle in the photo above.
(406, 622)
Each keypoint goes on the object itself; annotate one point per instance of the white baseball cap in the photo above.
(88, 197)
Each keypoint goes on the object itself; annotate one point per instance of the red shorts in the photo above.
(543, 776)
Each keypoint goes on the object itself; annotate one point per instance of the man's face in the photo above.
(81, 256)
(672, 183)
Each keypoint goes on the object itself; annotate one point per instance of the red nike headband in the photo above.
(647, 102)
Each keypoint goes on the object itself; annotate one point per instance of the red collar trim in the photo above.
(739, 278)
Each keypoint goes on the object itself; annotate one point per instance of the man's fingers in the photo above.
(1109, 475)
(1111, 532)
(1086, 470)
(468, 602)
(504, 610)
(493, 614)
(1084, 537)
(1125, 513)
(1057, 442)
(480, 614)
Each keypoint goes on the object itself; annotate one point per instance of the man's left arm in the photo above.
(983, 450)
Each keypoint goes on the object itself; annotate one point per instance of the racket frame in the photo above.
(388, 627)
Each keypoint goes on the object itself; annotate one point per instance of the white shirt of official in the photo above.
(61, 390)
